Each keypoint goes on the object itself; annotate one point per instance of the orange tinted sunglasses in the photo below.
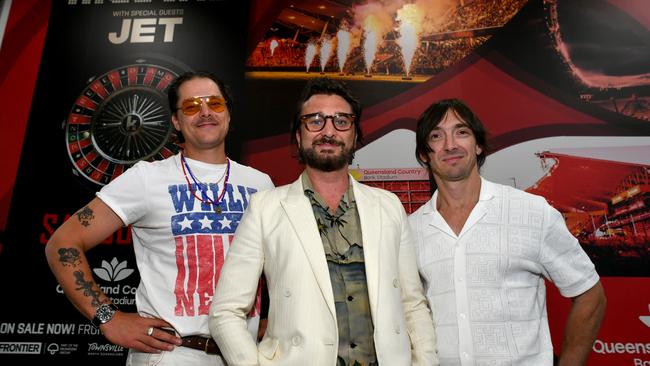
(192, 106)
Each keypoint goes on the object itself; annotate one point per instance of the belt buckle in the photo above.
(207, 342)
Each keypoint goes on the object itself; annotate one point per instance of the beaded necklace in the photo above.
(215, 204)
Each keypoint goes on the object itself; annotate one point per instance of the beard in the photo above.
(327, 163)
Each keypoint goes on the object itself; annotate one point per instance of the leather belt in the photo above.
(208, 345)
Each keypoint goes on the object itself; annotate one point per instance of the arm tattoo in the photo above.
(87, 287)
(69, 256)
(85, 215)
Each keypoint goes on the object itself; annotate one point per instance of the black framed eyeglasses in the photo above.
(315, 122)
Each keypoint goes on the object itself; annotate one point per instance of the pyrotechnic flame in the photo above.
(310, 52)
(343, 47)
(273, 45)
(325, 52)
(410, 18)
(371, 29)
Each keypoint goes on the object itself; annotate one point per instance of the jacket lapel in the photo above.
(370, 219)
(301, 216)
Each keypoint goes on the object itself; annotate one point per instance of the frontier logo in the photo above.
(21, 348)
(114, 271)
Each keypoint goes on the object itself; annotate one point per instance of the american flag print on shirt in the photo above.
(202, 236)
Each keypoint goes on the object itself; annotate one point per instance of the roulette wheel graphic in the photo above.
(120, 118)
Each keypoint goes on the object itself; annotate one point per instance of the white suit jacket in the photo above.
(278, 235)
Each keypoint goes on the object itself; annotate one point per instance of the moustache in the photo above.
(328, 140)
(205, 119)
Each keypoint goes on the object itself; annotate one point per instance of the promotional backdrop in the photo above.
(561, 85)
(99, 106)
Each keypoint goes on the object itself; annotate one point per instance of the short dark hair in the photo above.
(432, 116)
(327, 86)
(172, 92)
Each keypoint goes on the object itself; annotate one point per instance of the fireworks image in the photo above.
(379, 40)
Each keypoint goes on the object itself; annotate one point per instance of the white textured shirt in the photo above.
(486, 287)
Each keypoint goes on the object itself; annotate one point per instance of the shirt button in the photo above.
(296, 340)
(350, 298)
(465, 355)
(397, 329)
(353, 345)
(395, 283)
(462, 316)
(287, 292)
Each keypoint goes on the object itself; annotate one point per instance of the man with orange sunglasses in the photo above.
(183, 212)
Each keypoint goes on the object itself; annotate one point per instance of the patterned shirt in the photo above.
(486, 285)
(341, 236)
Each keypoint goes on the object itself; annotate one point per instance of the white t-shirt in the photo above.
(180, 242)
(486, 286)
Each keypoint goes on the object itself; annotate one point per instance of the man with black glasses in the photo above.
(337, 255)
(183, 212)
